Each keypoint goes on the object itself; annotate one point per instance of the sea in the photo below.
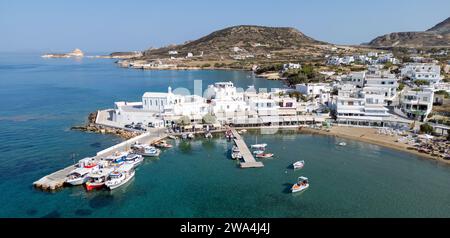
(41, 99)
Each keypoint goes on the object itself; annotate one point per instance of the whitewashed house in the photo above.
(422, 71)
(417, 104)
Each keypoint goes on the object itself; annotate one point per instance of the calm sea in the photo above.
(42, 98)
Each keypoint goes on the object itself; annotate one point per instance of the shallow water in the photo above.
(43, 98)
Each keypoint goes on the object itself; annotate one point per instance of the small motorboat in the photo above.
(208, 135)
(79, 176)
(173, 137)
(162, 144)
(259, 146)
(97, 179)
(134, 159)
(146, 150)
(191, 136)
(235, 149)
(120, 177)
(117, 159)
(299, 164)
(236, 155)
(184, 136)
(265, 155)
(342, 144)
(242, 131)
(257, 152)
(301, 185)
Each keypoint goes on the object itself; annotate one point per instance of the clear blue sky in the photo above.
(100, 25)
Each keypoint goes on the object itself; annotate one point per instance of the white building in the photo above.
(355, 78)
(356, 106)
(417, 104)
(383, 80)
(422, 71)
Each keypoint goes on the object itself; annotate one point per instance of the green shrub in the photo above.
(426, 128)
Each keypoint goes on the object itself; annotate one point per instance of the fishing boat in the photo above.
(342, 144)
(301, 185)
(265, 155)
(134, 159)
(146, 150)
(87, 163)
(120, 176)
(236, 155)
(79, 176)
(298, 164)
(259, 146)
(97, 179)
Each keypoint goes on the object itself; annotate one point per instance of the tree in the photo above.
(209, 119)
(421, 82)
(426, 129)
(401, 86)
(184, 120)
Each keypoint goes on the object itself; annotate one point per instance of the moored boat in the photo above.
(87, 163)
(79, 176)
(191, 136)
(299, 164)
(120, 176)
(301, 185)
(259, 146)
(342, 144)
(236, 155)
(146, 150)
(208, 135)
(257, 152)
(265, 155)
(134, 159)
(97, 179)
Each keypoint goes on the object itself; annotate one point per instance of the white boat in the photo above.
(257, 152)
(299, 164)
(87, 163)
(79, 176)
(120, 176)
(236, 155)
(301, 185)
(173, 137)
(208, 135)
(191, 136)
(146, 150)
(134, 160)
(242, 131)
(342, 144)
(235, 148)
(259, 146)
(184, 136)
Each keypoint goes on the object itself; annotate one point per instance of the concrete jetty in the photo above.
(247, 156)
(56, 180)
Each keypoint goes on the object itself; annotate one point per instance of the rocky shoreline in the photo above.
(91, 126)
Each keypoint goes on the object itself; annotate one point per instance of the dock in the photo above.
(249, 159)
(56, 180)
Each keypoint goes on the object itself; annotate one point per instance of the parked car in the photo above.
(129, 126)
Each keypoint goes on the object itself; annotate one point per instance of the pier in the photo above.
(247, 156)
(56, 180)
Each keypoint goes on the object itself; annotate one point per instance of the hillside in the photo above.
(245, 42)
(437, 36)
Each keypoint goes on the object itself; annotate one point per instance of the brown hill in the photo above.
(242, 40)
(437, 36)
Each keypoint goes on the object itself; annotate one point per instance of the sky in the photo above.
(117, 25)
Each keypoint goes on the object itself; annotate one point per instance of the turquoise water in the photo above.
(42, 99)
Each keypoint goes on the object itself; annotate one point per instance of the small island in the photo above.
(75, 53)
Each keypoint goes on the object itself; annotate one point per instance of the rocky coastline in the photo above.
(91, 126)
